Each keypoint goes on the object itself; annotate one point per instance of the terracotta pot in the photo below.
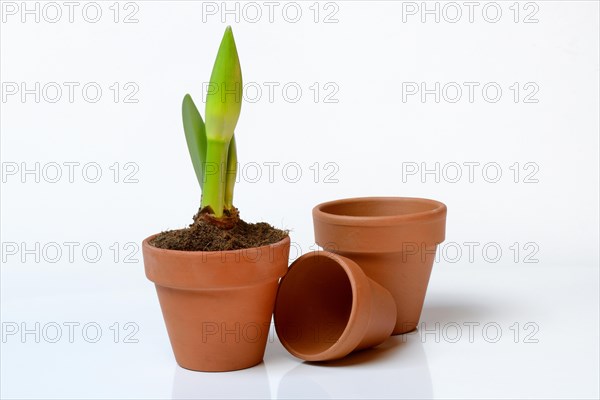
(393, 239)
(217, 306)
(327, 307)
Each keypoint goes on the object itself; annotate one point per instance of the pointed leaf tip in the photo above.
(224, 96)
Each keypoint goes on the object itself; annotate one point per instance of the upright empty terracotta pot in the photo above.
(217, 306)
(393, 239)
(327, 307)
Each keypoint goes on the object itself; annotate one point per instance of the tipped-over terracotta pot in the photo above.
(327, 307)
(393, 239)
(217, 305)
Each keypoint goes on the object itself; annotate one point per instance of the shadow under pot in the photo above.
(217, 305)
(393, 240)
(327, 307)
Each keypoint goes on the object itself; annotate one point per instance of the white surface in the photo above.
(558, 360)
(522, 250)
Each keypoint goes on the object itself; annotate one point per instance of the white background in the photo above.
(520, 248)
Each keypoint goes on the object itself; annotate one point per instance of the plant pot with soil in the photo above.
(217, 279)
(394, 241)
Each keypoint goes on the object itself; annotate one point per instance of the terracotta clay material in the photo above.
(217, 305)
(327, 307)
(393, 239)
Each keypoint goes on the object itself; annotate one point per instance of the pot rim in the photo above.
(354, 329)
(146, 243)
(208, 270)
(437, 210)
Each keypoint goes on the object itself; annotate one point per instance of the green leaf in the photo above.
(213, 189)
(195, 136)
(224, 96)
(231, 173)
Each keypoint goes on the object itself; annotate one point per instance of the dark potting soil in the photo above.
(204, 236)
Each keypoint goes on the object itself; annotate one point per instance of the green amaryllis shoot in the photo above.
(195, 135)
(212, 145)
(231, 174)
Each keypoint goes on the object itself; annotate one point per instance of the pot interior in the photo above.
(313, 305)
(378, 207)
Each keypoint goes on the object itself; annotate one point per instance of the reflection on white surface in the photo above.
(396, 369)
(250, 383)
(557, 360)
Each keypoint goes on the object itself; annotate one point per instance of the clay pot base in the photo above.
(326, 308)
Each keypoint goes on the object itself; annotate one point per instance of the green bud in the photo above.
(224, 97)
